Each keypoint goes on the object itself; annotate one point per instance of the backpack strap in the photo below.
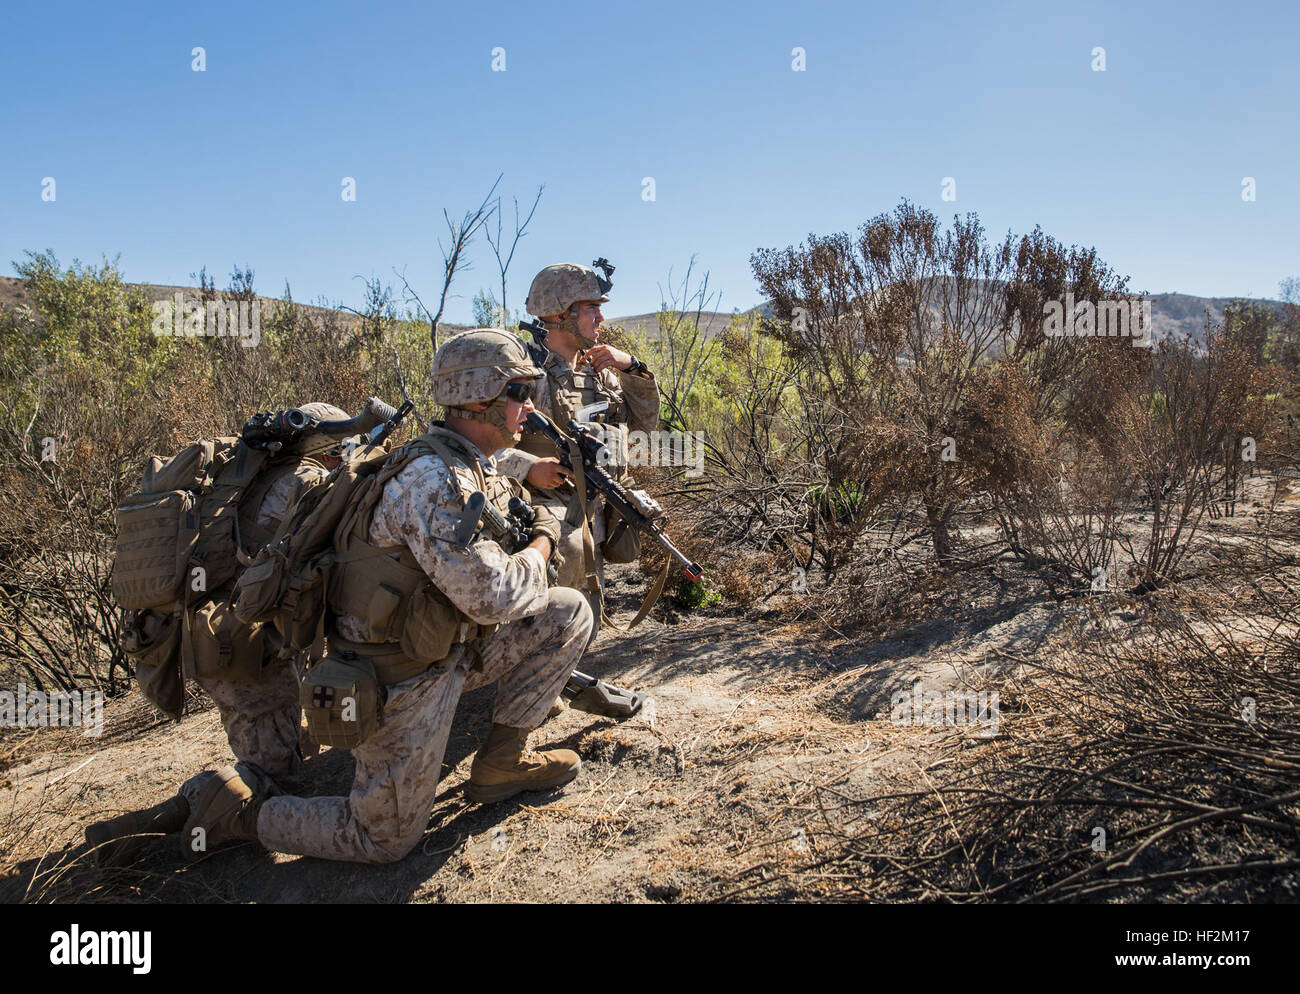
(367, 574)
(249, 535)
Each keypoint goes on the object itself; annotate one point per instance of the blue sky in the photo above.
(243, 163)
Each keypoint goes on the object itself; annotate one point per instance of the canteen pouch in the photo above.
(340, 697)
(224, 647)
(152, 640)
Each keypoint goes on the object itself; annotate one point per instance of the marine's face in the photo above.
(516, 411)
(589, 319)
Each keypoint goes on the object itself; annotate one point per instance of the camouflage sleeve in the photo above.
(276, 502)
(515, 463)
(641, 395)
(420, 509)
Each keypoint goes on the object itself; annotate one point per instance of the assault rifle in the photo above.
(537, 347)
(595, 457)
(273, 430)
(511, 532)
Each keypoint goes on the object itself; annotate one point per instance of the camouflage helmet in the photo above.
(557, 288)
(317, 441)
(476, 365)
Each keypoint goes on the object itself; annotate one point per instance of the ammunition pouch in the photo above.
(303, 605)
(622, 542)
(400, 608)
(433, 626)
(223, 647)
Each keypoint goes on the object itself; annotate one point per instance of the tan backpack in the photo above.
(179, 539)
(284, 584)
(319, 558)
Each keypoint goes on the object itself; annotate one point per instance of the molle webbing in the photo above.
(375, 584)
(217, 550)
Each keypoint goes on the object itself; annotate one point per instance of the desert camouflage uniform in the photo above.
(543, 634)
(633, 403)
(262, 717)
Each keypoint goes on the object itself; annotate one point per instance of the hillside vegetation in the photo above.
(908, 495)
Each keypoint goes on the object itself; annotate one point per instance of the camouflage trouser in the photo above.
(398, 766)
(261, 718)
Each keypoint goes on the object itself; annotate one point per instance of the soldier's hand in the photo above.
(547, 474)
(546, 523)
(601, 357)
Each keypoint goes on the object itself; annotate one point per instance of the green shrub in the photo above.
(691, 596)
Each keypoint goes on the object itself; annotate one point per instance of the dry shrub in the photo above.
(892, 328)
(84, 369)
(1178, 737)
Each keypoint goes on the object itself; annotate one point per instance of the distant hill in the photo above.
(1177, 314)
(1180, 315)
(1183, 315)
(713, 323)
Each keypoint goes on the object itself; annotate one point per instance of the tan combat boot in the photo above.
(504, 766)
(120, 840)
(226, 809)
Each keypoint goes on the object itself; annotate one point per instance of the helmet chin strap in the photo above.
(569, 323)
(494, 414)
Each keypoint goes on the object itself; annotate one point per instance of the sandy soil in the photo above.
(751, 716)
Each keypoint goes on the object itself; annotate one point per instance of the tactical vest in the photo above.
(572, 390)
(410, 624)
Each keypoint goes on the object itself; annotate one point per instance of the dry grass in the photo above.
(1180, 740)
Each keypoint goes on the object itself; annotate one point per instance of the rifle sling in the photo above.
(592, 581)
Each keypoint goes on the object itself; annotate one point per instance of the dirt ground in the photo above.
(716, 778)
(715, 787)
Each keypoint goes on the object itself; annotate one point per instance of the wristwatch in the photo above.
(638, 368)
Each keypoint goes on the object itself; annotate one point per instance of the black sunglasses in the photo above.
(522, 392)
